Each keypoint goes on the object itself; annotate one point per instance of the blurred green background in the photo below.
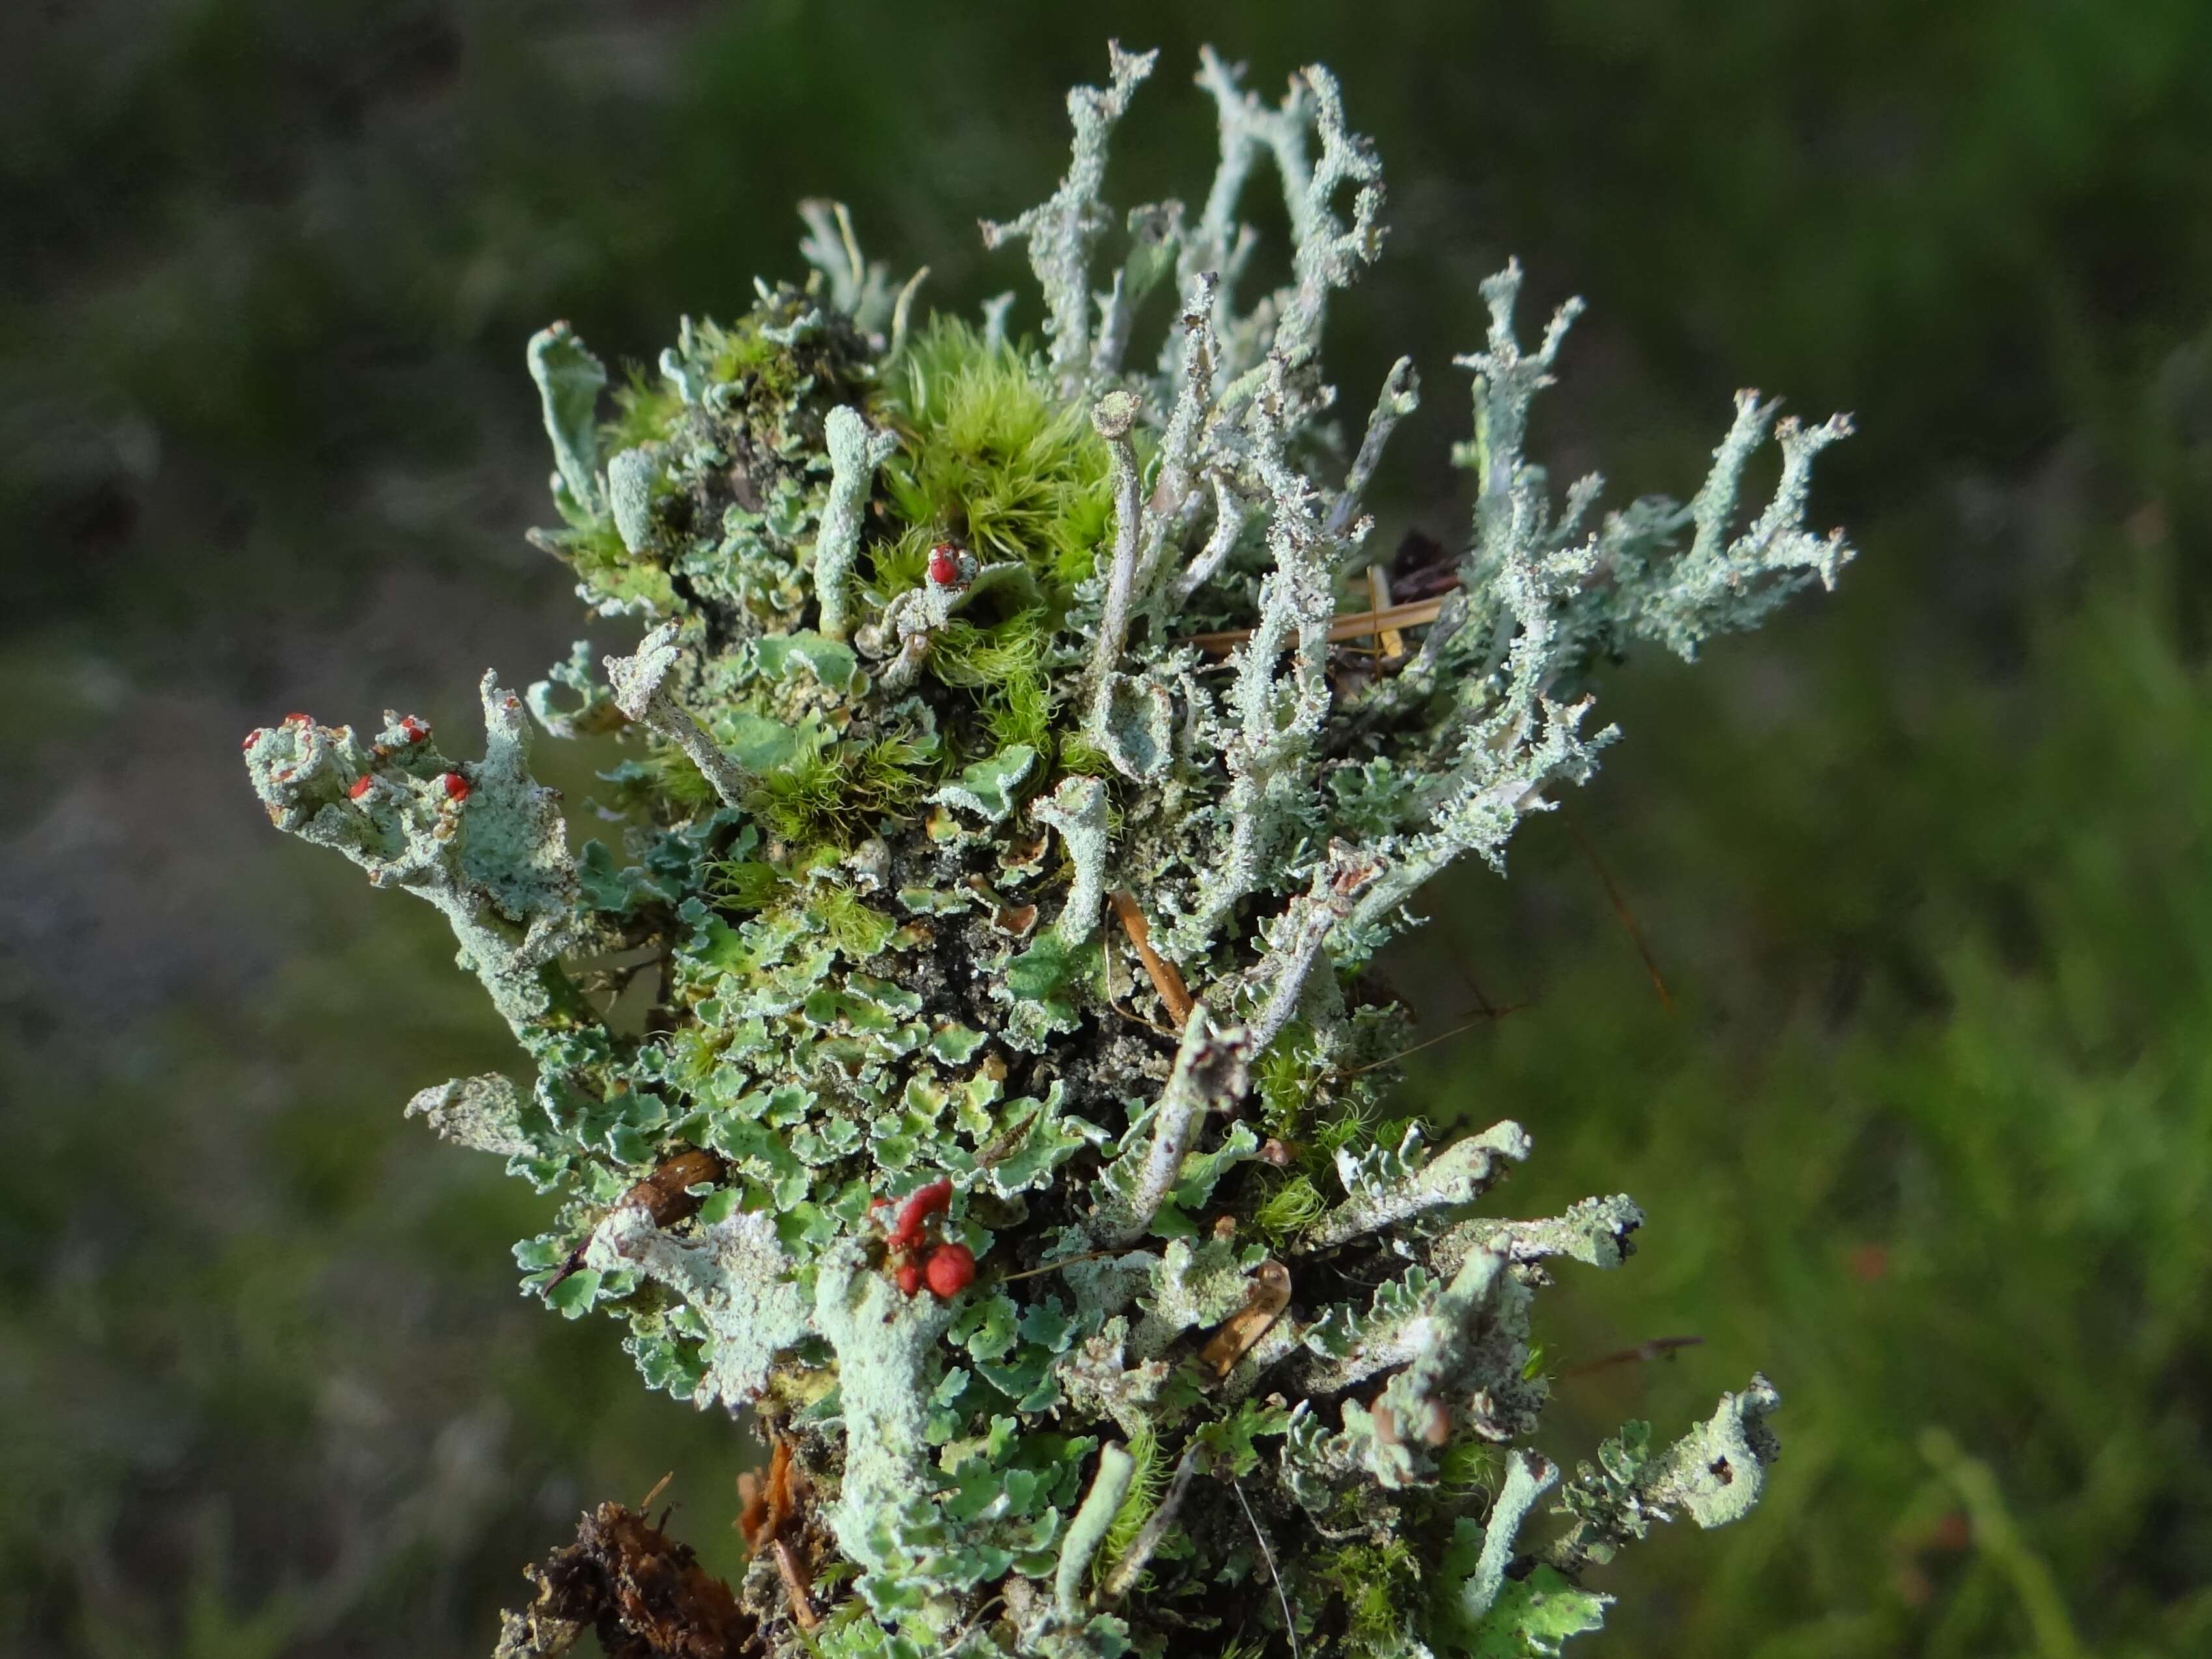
(1924, 1124)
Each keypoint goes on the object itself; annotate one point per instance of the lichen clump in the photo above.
(1015, 793)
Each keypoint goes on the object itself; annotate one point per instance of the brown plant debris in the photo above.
(642, 1594)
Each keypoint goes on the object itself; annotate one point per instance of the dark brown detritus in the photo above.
(643, 1595)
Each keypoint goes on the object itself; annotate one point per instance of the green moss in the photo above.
(801, 799)
(1353, 1125)
(745, 883)
(740, 354)
(1022, 715)
(891, 773)
(900, 564)
(971, 656)
(1079, 755)
(858, 929)
(671, 773)
(1145, 1487)
(594, 549)
(1285, 1076)
(1004, 665)
(1467, 1464)
(833, 791)
(1294, 1204)
(1379, 1584)
(993, 458)
(647, 408)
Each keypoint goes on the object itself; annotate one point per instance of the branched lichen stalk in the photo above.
(1062, 231)
(1112, 417)
(640, 683)
(959, 1049)
(1087, 1531)
(1211, 1074)
(855, 453)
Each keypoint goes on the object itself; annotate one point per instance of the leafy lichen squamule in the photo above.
(1007, 1129)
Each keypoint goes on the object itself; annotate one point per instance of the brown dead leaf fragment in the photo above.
(1265, 1298)
(642, 1594)
(664, 1195)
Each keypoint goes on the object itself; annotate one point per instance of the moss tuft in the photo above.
(1146, 1485)
(1294, 1204)
(671, 775)
(1285, 1076)
(1380, 1584)
(647, 410)
(836, 791)
(993, 458)
(1004, 665)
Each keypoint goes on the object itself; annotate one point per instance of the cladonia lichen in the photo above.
(1017, 792)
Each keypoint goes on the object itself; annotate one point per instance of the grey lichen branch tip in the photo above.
(1595, 1230)
(1721, 583)
(1248, 128)
(1506, 381)
(1112, 417)
(1230, 518)
(1399, 397)
(858, 287)
(1330, 254)
(1175, 495)
(1078, 809)
(1087, 1531)
(1714, 1474)
(641, 691)
(569, 380)
(1062, 230)
(1276, 717)
(1155, 232)
(1295, 938)
(481, 1112)
(855, 453)
(485, 842)
(1211, 1073)
(1385, 1188)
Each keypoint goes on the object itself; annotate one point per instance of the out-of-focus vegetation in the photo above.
(1927, 1131)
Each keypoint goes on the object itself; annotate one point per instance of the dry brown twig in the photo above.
(769, 1506)
(1165, 979)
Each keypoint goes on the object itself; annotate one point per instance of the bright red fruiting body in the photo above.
(951, 1269)
(414, 730)
(360, 787)
(910, 1278)
(455, 785)
(944, 564)
(253, 737)
(919, 1205)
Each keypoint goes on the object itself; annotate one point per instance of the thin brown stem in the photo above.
(1619, 906)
